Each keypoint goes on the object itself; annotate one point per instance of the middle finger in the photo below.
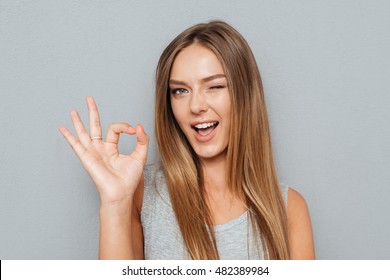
(79, 128)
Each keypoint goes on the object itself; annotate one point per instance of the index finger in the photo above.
(95, 129)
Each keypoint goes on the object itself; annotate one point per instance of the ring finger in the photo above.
(94, 120)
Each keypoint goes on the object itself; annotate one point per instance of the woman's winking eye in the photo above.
(217, 87)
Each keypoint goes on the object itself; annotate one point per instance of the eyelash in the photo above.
(217, 87)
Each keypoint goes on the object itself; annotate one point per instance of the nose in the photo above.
(198, 104)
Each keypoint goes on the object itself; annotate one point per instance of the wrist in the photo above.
(116, 208)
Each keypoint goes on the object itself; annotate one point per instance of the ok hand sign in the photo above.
(115, 175)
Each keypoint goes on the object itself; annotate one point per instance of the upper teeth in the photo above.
(205, 125)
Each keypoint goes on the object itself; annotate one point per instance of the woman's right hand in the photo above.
(115, 175)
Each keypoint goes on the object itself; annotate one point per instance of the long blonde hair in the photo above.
(250, 167)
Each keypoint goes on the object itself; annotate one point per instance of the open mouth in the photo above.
(204, 129)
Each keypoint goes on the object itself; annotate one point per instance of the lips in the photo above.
(204, 130)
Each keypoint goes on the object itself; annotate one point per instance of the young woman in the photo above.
(215, 194)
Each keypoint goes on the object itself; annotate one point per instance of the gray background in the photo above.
(324, 65)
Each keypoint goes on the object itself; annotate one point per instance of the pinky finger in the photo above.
(73, 142)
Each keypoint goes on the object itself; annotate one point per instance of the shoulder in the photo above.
(146, 183)
(296, 203)
(153, 175)
(151, 188)
(299, 227)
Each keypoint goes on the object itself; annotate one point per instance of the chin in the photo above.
(211, 154)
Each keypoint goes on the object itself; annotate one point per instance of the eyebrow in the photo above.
(204, 80)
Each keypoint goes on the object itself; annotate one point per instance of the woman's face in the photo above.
(200, 100)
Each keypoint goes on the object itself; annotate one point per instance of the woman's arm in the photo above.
(115, 232)
(121, 235)
(299, 228)
(136, 229)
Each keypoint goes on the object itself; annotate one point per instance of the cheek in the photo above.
(224, 107)
(178, 112)
(225, 110)
(174, 108)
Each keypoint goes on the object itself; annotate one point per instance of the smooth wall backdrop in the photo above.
(325, 68)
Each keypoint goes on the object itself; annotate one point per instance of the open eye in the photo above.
(179, 91)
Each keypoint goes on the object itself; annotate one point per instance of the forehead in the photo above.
(195, 62)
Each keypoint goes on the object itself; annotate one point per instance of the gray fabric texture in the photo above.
(162, 236)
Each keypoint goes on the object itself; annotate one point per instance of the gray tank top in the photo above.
(162, 237)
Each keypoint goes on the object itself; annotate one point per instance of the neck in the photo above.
(221, 202)
(214, 173)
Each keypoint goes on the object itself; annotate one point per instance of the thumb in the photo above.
(141, 148)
